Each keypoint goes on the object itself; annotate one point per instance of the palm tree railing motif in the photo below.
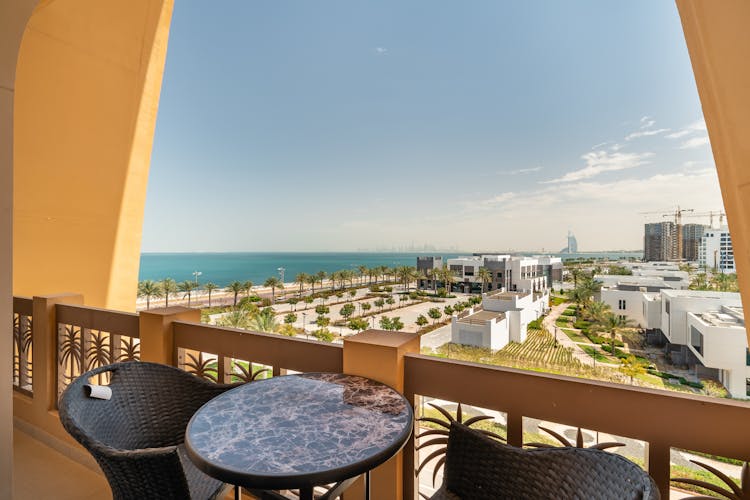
(221, 369)
(88, 339)
(22, 346)
(431, 437)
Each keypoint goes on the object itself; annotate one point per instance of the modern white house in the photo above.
(715, 251)
(637, 301)
(503, 318)
(718, 341)
(507, 272)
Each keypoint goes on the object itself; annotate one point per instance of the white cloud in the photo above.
(646, 133)
(616, 147)
(695, 127)
(600, 145)
(381, 50)
(524, 170)
(695, 142)
(647, 122)
(598, 162)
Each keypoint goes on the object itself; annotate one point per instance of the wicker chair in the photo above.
(480, 468)
(137, 435)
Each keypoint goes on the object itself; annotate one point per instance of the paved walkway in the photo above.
(564, 340)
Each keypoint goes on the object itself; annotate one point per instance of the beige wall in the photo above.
(718, 39)
(87, 91)
(13, 18)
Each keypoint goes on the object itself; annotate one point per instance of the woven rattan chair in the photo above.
(480, 468)
(137, 435)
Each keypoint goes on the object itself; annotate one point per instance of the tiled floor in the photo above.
(42, 473)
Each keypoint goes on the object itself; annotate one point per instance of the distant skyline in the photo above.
(301, 126)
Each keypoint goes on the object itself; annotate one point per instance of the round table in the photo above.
(298, 431)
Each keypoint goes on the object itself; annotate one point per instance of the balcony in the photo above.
(57, 337)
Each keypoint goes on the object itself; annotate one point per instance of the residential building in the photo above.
(637, 301)
(691, 240)
(678, 280)
(660, 241)
(716, 252)
(503, 318)
(507, 273)
(718, 342)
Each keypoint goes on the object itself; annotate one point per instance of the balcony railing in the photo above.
(85, 337)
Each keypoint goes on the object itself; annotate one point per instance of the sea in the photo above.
(223, 268)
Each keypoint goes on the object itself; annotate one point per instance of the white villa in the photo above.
(502, 318)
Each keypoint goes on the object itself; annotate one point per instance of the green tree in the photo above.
(379, 303)
(363, 271)
(631, 367)
(334, 276)
(308, 300)
(168, 287)
(612, 324)
(485, 276)
(358, 324)
(421, 321)
(235, 287)
(397, 324)
(312, 279)
(264, 321)
(448, 310)
(390, 302)
(434, 313)
(247, 287)
(700, 282)
(273, 283)
(148, 289)
(323, 334)
(290, 318)
(385, 323)
(597, 310)
(186, 288)
(322, 321)
(293, 302)
(210, 287)
(448, 277)
(321, 276)
(347, 310)
(366, 306)
(320, 309)
(301, 279)
(352, 293)
(237, 318)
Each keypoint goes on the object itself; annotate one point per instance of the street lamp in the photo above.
(196, 274)
(304, 319)
(281, 273)
(556, 335)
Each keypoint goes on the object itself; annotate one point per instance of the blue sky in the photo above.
(340, 125)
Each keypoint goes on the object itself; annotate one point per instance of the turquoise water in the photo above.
(223, 268)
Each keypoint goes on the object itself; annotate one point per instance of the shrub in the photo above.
(323, 334)
(265, 302)
(442, 292)
(536, 324)
(581, 324)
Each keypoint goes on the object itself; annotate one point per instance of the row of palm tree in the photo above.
(718, 281)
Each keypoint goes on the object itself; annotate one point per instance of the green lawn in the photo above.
(575, 336)
(598, 356)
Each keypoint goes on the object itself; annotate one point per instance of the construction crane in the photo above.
(711, 216)
(677, 214)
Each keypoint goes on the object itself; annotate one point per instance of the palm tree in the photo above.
(264, 321)
(247, 287)
(597, 310)
(485, 275)
(148, 289)
(321, 275)
(236, 287)
(168, 286)
(333, 276)
(312, 279)
(236, 318)
(273, 282)
(448, 277)
(187, 287)
(613, 323)
(210, 287)
(362, 270)
(301, 278)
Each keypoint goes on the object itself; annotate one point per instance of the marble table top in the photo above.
(298, 430)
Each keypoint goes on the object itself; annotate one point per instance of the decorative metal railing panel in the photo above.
(230, 355)
(23, 344)
(88, 338)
